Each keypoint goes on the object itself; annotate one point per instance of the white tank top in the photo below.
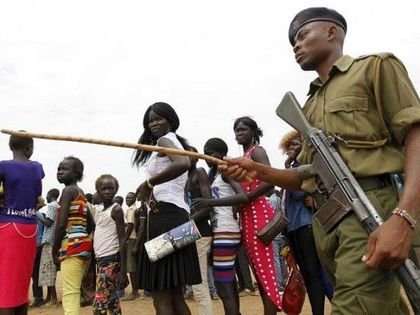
(222, 218)
(105, 239)
(173, 190)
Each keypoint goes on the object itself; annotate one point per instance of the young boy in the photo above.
(109, 247)
(131, 237)
(47, 268)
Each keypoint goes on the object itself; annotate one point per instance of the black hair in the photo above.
(77, 166)
(89, 197)
(164, 110)
(54, 193)
(20, 143)
(119, 200)
(131, 193)
(251, 123)
(215, 145)
(106, 176)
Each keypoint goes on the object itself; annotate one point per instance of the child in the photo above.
(109, 246)
(22, 185)
(72, 246)
(131, 238)
(227, 235)
(47, 268)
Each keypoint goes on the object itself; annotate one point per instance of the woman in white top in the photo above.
(164, 190)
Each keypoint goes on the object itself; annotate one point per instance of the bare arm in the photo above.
(68, 194)
(388, 246)
(179, 165)
(118, 216)
(238, 168)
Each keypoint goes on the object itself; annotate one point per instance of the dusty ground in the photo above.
(250, 305)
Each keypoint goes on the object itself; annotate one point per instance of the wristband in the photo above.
(148, 184)
(406, 216)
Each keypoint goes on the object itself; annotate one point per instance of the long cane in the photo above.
(143, 147)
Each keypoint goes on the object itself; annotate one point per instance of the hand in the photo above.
(134, 250)
(238, 168)
(122, 280)
(143, 192)
(389, 244)
(309, 202)
(200, 203)
(40, 202)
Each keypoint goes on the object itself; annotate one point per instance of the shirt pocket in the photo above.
(349, 118)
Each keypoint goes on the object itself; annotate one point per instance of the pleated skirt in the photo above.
(177, 269)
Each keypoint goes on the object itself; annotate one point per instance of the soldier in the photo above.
(370, 104)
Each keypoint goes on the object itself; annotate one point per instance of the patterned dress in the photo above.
(254, 216)
(76, 241)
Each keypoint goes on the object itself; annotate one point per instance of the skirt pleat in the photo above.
(177, 269)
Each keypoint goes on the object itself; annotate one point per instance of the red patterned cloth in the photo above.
(254, 216)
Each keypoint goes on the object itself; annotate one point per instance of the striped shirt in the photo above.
(77, 242)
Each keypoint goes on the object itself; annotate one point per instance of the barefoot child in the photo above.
(72, 246)
(109, 246)
(131, 238)
(21, 179)
(47, 268)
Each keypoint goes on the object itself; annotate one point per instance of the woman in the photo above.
(255, 213)
(299, 231)
(164, 191)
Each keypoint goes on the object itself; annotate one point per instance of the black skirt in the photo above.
(177, 269)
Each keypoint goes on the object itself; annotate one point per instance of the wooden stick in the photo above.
(143, 147)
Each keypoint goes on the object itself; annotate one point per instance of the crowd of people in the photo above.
(82, 234)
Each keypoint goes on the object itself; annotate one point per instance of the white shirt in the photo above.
(105, 239)
(173, 190)
(222, 219)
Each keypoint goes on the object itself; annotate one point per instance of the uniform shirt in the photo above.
(171, 191)
(369, 105)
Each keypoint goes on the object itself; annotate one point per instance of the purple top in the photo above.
(22, 185)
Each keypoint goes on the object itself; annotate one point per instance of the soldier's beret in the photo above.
(314, 14)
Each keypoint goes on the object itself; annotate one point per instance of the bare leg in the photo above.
(269, 307)
(7, 311)
(22, 310)
(229, 295)
(163, 301)
(180, 306)
(133, 280)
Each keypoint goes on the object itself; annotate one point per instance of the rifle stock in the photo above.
(345, 193)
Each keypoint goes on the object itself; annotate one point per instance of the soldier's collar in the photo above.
(341, 65)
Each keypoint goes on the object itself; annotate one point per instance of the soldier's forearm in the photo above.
(288, 179)
(409, 199)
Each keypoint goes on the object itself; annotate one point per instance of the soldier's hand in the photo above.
(238, 168)
(389, 244)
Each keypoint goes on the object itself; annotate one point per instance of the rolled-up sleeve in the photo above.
(399, 100)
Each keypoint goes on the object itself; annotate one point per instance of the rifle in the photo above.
(345, 193)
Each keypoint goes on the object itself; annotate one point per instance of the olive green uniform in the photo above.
(368, 104)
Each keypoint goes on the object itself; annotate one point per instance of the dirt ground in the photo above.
(250, 305)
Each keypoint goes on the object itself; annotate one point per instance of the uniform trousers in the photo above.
(357, 288)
